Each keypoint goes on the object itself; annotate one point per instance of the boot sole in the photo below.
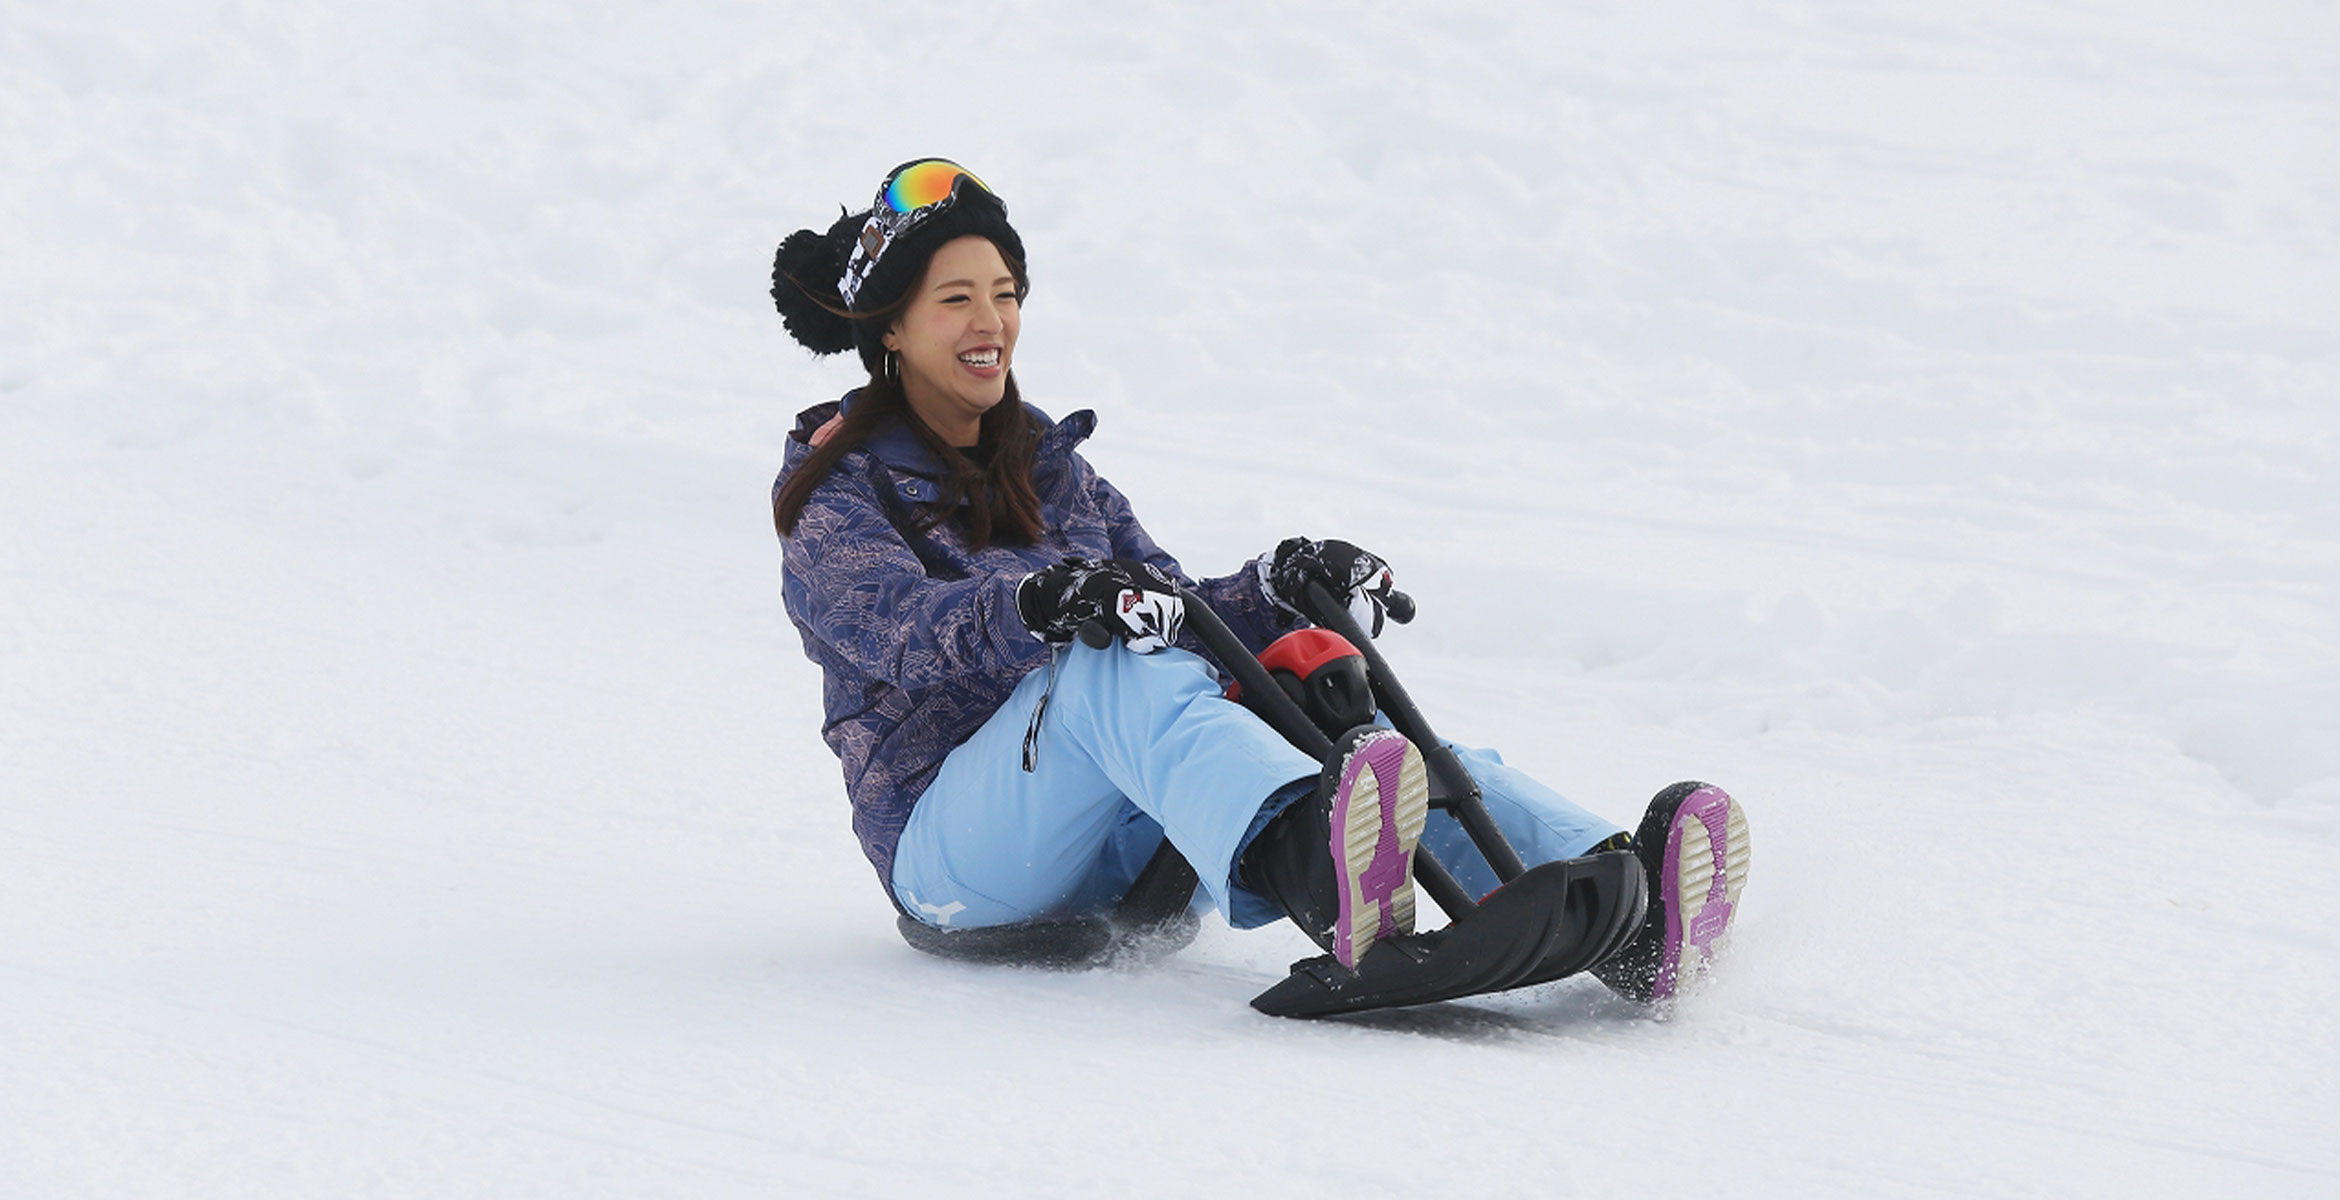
(1378, 811)
(1704, 870)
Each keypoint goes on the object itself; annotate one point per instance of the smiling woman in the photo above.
(956, 338)
(952, 563)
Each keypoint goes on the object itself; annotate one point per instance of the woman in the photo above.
(943, 546)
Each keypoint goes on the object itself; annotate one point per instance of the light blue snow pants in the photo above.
(1132, 746)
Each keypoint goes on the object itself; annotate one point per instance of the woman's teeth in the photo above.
(980, 358)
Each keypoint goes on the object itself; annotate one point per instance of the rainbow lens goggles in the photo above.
(913, 193)
(922, 184)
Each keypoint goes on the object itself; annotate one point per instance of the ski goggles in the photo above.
(912, 194)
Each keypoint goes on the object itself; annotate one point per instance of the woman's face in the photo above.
(958, 337)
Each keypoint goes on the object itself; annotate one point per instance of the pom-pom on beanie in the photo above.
(885, 248)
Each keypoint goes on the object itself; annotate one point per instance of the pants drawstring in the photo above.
(1032, 731)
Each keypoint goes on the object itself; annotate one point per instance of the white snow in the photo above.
(1919, 418)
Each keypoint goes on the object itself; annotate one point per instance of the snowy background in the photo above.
(1922, 419)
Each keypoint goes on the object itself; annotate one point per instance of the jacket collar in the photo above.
(900, 449)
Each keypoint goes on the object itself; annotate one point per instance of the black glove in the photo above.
(1358, 577)
(1133, 601)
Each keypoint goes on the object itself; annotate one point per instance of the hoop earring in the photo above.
(893, 367)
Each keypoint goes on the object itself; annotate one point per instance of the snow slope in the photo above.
(1918, 418)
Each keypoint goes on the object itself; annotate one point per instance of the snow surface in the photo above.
(1919, 418)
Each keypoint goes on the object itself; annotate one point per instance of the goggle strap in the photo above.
(887, 223)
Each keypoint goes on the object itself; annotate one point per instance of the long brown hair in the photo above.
(1002, 503)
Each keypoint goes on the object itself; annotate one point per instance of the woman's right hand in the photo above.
(1134, 602)
(1356, 577)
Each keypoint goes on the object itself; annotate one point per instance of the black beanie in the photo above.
(809, 266)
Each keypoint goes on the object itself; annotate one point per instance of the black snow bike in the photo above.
(1541, 923)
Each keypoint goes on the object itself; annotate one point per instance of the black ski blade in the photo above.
(1608, 898)
(1509, 935)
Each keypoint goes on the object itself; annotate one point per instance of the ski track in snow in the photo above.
(1920, 421)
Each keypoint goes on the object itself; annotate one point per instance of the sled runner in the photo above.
(1311, 686)
(1152, 919)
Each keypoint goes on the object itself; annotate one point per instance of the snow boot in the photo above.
(1693, 846)
(1340, 863)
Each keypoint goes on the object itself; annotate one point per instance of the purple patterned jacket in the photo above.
(917, 635)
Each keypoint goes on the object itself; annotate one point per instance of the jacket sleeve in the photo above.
(1250, 615)
(849, 577)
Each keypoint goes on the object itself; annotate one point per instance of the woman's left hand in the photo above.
(1357, 575)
